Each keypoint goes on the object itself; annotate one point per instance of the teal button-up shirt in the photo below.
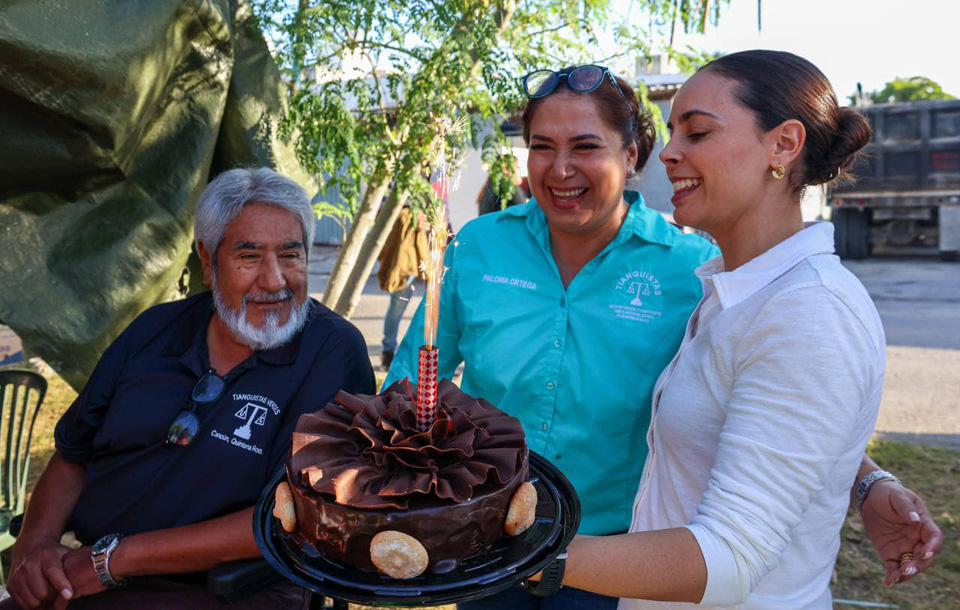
(576, 365)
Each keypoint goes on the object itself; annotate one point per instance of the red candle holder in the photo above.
(427, 387)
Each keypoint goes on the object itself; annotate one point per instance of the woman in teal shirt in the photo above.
(551, 316)
(565, 310)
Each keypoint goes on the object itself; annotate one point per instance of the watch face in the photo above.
(104, 543)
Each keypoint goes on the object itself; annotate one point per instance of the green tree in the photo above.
(369, 79)
(910, 89)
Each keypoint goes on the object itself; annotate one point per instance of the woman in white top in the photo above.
(760, 421)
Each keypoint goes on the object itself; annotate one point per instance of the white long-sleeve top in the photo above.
(760, 422)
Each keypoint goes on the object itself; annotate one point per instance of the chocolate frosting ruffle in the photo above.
(367, 451)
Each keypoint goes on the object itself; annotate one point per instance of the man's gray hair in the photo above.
(225, 196)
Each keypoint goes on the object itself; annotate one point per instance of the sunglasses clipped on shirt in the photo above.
(185, 426)
(582, 79)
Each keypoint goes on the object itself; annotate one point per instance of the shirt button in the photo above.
(550, 385)
(557, 343)
(544, 426)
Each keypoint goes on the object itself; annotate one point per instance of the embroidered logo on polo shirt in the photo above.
(253, 414)
(639, 293)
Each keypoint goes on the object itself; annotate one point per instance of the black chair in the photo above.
(21, 394)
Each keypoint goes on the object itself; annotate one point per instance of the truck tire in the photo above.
(840, 231)
(851, 231)
(858, 234)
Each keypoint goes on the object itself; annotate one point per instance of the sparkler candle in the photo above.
(432, 270)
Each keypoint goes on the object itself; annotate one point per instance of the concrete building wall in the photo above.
(652, 181)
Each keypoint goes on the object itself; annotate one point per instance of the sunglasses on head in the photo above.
(185, 426)
(582, 79)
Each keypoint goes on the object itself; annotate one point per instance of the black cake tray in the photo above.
(508, 562)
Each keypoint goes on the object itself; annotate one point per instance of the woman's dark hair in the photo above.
(621, 112)
(778, 86)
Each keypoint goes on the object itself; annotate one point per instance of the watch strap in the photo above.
(551, 578)
(863, 489)
(101, 560)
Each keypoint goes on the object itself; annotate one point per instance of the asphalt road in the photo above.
(919, 304)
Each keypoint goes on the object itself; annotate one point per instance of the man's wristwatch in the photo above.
(550, 579)
(100, 554)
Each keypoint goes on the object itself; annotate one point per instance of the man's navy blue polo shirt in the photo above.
(118, 423)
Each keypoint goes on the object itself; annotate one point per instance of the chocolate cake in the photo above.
(361, 467)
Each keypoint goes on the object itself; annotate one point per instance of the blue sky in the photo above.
(849, 40)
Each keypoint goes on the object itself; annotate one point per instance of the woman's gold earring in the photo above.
(778, 172)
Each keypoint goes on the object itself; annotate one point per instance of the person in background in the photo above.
(565, 310)
(405, 248)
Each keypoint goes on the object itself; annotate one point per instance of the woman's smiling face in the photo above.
(717, 158)
(577, 165)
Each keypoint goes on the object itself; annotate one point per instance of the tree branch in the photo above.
(532, 35)
(380, 95)
(381, 45)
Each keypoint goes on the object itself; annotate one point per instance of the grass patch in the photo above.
(58, 399)
(932, 472)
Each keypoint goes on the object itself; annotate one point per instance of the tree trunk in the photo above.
(363, 221)
(369, 253)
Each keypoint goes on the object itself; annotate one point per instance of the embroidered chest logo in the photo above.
(254, 412)
(639, 293)
(251, 413)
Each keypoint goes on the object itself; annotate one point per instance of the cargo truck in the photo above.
(906, 198)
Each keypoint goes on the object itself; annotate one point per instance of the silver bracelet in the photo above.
(863, 489)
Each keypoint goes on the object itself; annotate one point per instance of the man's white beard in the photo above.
(271, 334)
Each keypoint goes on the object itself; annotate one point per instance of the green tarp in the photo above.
(113, 117)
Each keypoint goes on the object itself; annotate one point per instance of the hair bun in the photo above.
(852, 135)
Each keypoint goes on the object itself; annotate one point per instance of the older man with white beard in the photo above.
(187, 415)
